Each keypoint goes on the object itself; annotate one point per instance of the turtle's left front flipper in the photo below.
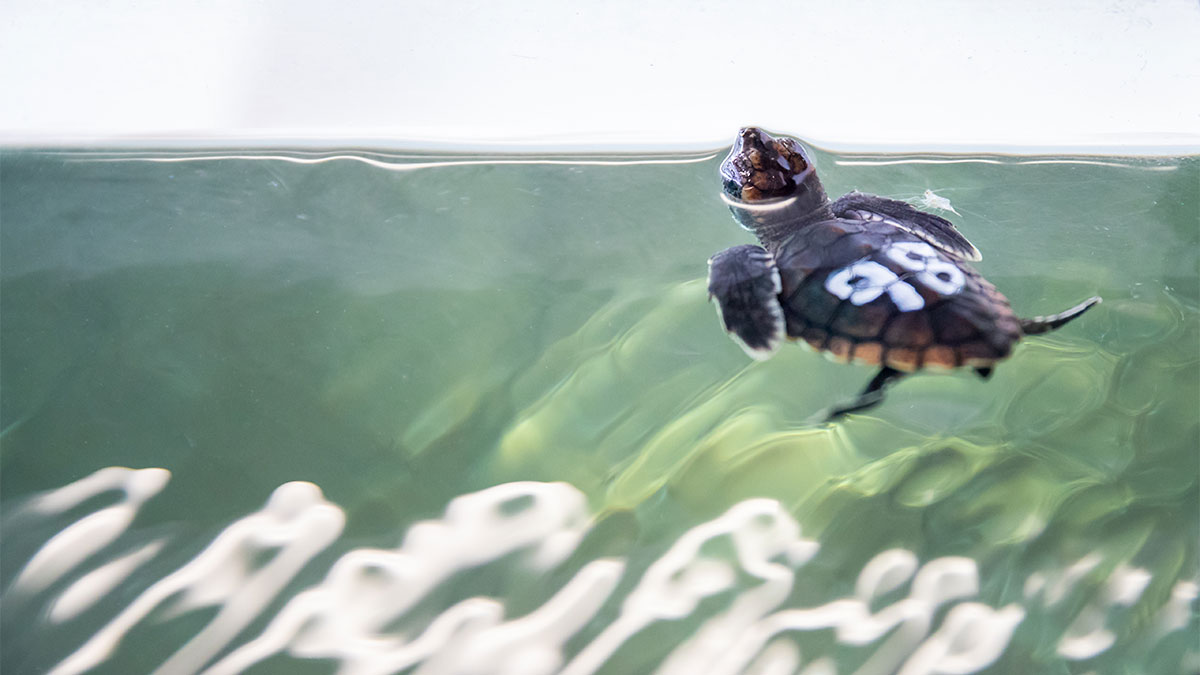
(933, 229)
(746, 285)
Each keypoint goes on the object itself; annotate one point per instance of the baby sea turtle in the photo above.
(864, 278)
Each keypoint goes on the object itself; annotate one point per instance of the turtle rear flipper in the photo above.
(871, 396)
(1044, 324)
(746, 285)
(933, 229)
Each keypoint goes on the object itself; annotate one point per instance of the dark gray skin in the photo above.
(864, 278)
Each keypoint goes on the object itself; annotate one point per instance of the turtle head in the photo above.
(761, 167)
(770, 184)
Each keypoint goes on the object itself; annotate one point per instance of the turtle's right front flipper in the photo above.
(746, 285)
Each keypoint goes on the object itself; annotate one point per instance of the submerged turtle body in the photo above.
(864, 278)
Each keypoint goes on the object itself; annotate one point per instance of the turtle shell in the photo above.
(869, 292)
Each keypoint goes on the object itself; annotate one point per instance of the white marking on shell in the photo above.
(941, 275)
(903, 251)
(906, 297)
(952, 282)
(866, 280)
(860, 282)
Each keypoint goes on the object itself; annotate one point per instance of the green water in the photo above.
(404, 329)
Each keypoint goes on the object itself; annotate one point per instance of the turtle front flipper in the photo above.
(746, 285)
(1044, 324)
(933, 229)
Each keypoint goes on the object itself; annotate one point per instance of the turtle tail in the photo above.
(1044, 324)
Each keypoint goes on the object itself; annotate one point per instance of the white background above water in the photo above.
(1111, 76)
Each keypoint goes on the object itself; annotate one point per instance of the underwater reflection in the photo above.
(732, 581)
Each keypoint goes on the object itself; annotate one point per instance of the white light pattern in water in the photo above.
(345, 616)
(86, 536)
(349, 617)
(296, 524)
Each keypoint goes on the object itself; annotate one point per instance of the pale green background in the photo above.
(400, 337)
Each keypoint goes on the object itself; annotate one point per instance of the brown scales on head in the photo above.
(760, 167)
